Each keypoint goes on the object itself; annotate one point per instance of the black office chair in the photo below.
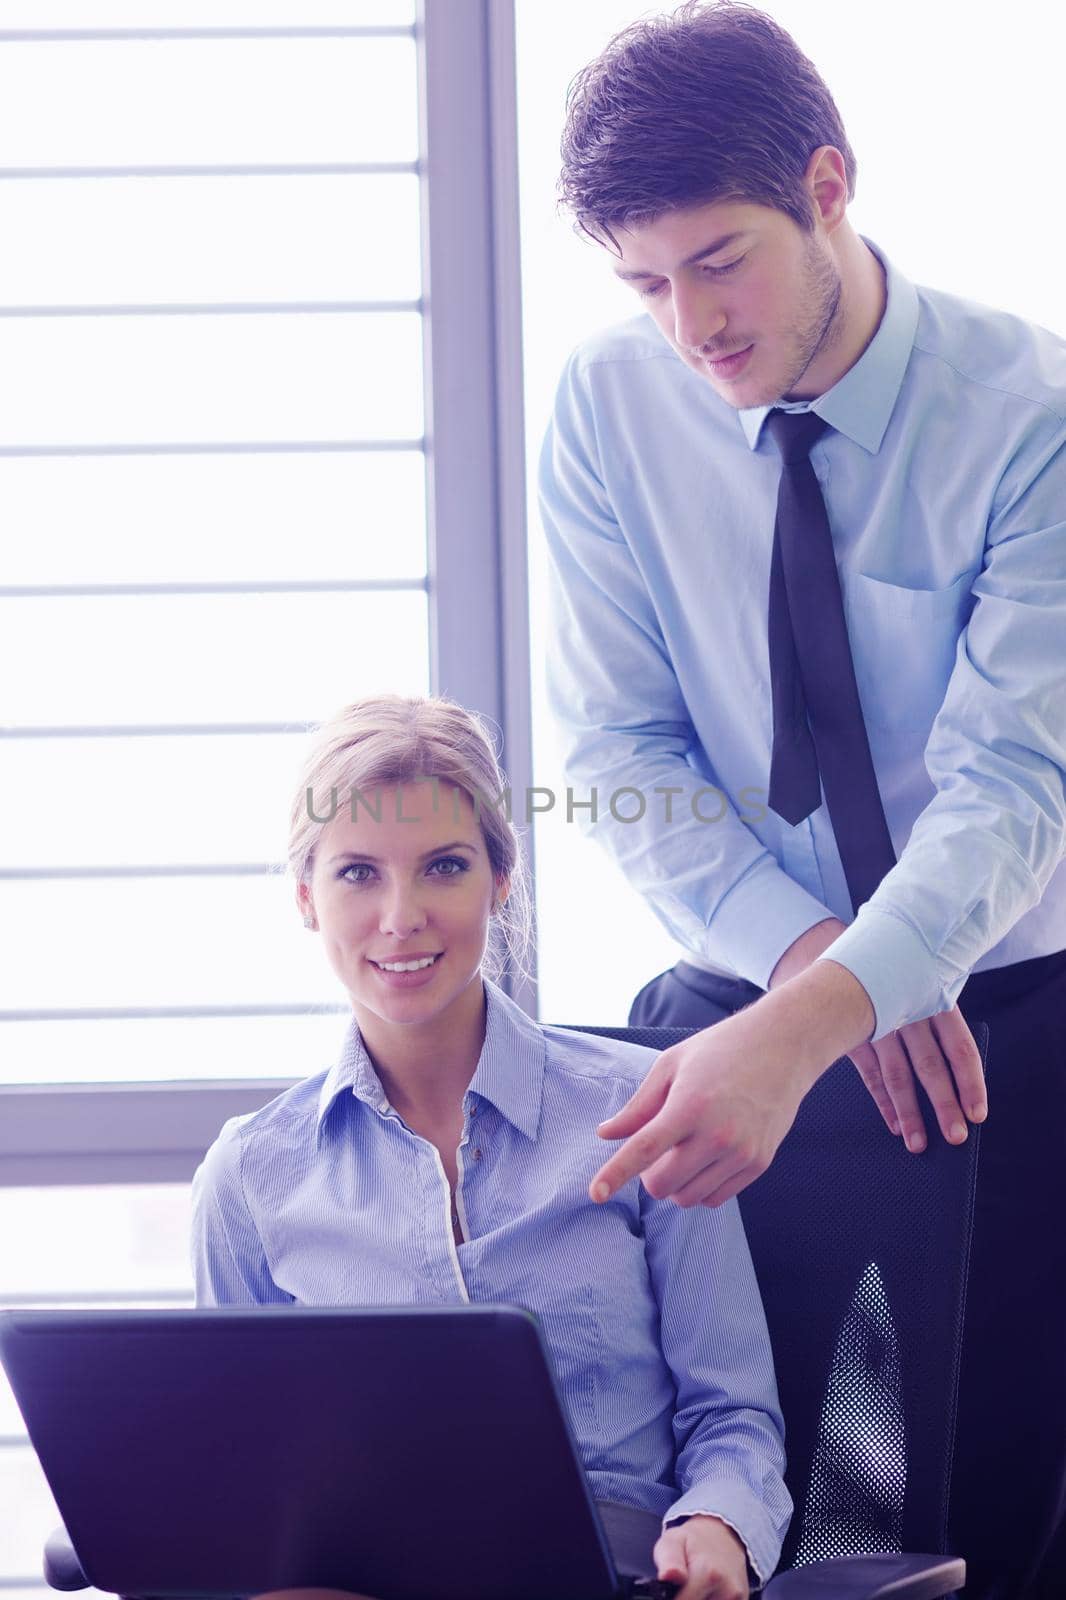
(862, 1253)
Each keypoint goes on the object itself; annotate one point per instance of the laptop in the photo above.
(411, 1453)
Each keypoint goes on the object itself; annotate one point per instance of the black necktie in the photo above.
(812, 676)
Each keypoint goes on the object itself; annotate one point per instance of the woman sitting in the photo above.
(447, 1154)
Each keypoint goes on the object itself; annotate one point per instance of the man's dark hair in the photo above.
(712, 102)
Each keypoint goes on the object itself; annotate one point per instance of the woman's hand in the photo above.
(705, 1555)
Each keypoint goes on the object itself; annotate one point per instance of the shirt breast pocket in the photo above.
(903, 644)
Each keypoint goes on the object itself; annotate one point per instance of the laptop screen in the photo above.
(397, 1453)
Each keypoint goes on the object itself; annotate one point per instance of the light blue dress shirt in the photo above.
(944, 478)
(652, 1313)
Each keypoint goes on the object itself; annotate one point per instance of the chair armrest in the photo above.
(62, 1569)
(876, 1577)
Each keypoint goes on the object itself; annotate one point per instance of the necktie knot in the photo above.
(794, 432)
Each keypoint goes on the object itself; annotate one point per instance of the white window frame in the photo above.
(478, 585)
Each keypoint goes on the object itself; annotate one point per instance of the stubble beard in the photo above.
(822, 329)
(825, 323)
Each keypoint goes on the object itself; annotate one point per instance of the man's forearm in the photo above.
(807, 948)
(824, 1009)
(718, 1104)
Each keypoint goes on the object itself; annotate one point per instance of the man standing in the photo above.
(808, 554)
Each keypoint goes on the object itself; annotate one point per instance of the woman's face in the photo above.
(406, 882)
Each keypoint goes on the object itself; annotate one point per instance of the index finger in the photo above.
(636, 1156)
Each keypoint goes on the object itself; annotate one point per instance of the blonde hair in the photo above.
(389, 740)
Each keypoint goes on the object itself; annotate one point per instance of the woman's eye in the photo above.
(650, 291)
(448, 861)
(356, 866)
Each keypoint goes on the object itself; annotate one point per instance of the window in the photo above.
(260, 453)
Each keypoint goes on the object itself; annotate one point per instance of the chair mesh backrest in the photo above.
(862, 1253)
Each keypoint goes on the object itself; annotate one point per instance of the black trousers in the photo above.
(1008, 1495)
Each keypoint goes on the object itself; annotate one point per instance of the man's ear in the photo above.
(827, 183)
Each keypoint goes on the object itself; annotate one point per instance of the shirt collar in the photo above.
(861, 402)
(509, 1073)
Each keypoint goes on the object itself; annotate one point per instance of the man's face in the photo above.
(733, 277)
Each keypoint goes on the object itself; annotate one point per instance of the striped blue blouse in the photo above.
(652, 1313)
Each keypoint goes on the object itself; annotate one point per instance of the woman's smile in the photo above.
(407, 972)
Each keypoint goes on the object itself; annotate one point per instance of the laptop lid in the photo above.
(398, 1452)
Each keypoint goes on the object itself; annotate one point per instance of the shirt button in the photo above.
(477, 1155)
